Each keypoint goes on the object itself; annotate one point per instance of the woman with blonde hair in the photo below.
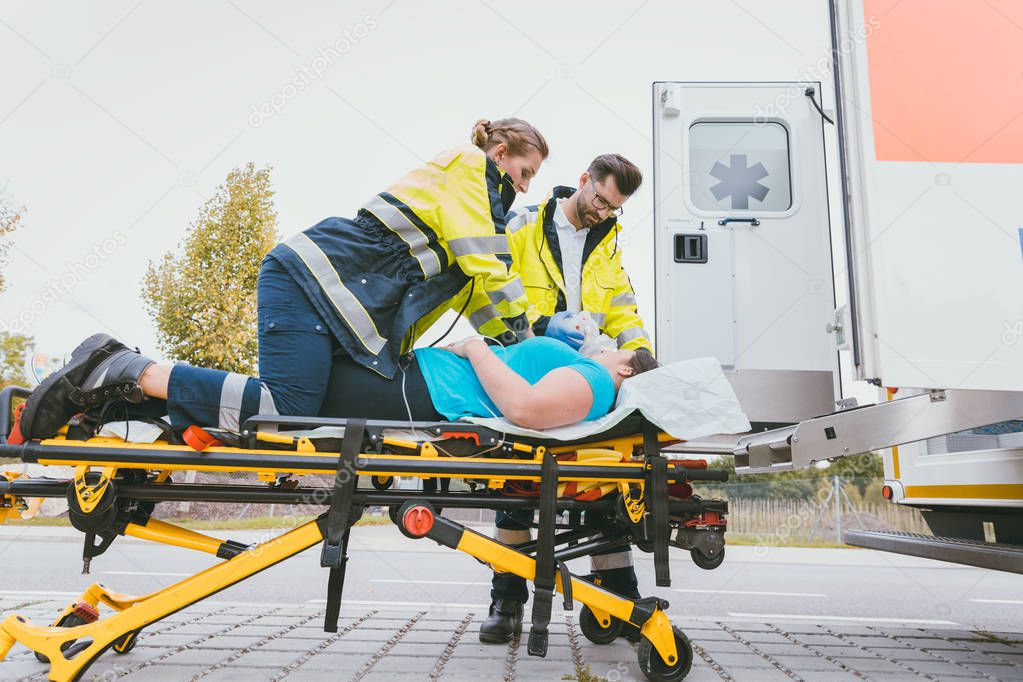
(365, 287)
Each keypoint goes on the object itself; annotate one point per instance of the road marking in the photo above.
(428, 582)
(432, 605)
(853, 619)
(148, 573)
(766, 594)
(997, 601)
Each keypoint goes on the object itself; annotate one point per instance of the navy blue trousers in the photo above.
(613, 566)
(295, 356)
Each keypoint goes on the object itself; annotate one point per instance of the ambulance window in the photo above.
(739, 165)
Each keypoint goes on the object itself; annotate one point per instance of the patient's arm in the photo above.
(562, 396)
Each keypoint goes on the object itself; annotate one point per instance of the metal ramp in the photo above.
(866, 428)
(993, 555)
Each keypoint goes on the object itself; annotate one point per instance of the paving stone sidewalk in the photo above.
(227, 641)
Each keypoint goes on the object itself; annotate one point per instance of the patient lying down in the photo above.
(540, 383)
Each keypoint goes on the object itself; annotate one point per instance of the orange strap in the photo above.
(198, 439)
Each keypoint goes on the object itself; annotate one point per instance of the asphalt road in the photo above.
(753, 584)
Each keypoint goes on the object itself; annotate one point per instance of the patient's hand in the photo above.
(463, 348)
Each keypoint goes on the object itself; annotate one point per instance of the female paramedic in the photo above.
(365, 287)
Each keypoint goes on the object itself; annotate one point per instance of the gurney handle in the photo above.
(7, 397)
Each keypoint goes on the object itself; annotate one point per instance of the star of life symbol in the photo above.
(739, 180)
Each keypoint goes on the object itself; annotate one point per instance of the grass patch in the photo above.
(779, 541)
(992, 637)
(584, 674)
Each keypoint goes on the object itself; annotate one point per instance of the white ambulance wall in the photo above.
(128, 133)
(937, 216)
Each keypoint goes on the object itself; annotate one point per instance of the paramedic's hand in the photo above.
(464, 347)
(563, 328)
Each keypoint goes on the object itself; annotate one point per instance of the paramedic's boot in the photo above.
(503, 623)
(101, 369)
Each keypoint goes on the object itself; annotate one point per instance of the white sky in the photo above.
(118, 119)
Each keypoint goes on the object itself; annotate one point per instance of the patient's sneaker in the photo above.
(101, 369)
(503, 623)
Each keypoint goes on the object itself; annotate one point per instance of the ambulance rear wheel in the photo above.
(658, 670)
(596, 632)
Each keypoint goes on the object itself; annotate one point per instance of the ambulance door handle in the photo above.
(752, 221)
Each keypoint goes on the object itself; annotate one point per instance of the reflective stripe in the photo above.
(630, 334)
(509, 292)
(266, 400)
(624, 299)
(483, 315)
(518, 221)
(513, 537)
(607, 562)
(343, 300)
(469, 246)
(231, 401)
(599, 318)
(399, 223)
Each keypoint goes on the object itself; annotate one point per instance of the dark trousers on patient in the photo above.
(613, 566)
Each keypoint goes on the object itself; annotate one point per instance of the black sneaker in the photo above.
(503, 623)
(101, 369)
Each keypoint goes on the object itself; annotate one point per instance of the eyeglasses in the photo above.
(603, 204)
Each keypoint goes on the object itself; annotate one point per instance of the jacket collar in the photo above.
(498, 180)
(595, 236)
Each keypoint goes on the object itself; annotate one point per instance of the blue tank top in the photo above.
(456, 392)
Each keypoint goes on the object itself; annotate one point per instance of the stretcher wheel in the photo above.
(382, 482)
(658, 670)
(392, 513)
(707, 563)
(127, 642)
(594, 631)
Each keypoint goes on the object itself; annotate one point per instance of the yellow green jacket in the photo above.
(606, 292)
(432, 241)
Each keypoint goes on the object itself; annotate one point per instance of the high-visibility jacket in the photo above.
(606, 291)
(381, 279)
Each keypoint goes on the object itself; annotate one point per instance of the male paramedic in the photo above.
(567, 253)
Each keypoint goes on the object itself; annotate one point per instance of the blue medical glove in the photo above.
(563, 328)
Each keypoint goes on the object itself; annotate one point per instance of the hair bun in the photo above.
(480, 132)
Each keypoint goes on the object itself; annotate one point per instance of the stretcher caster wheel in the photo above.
(382, 482)
(392, 513)
(416, 519)
(594, 631)
(658, 670)
(126, 642)
(707, 563)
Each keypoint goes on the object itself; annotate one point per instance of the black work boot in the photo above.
(101, 369)
(503, 623)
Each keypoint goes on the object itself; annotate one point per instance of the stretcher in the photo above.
(631, 492)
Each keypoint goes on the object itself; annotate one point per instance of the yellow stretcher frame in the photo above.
(132, 613)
